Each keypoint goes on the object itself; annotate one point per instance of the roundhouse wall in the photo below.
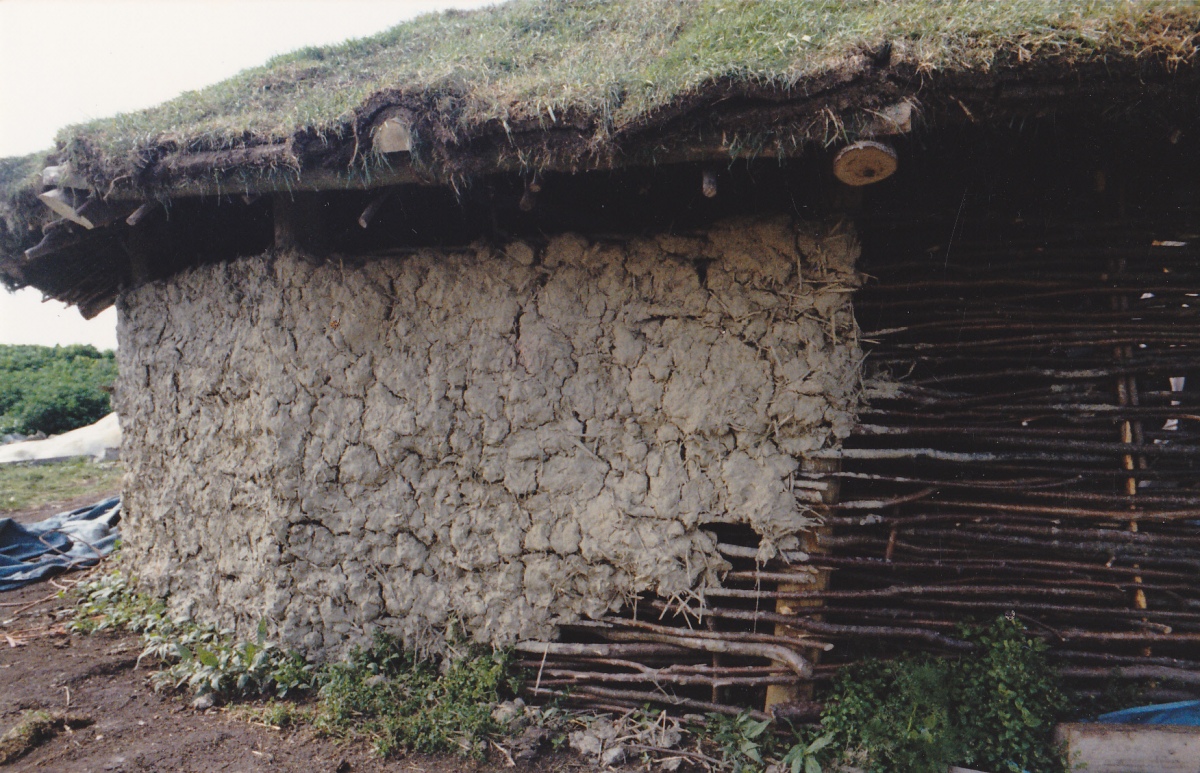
(510, 436)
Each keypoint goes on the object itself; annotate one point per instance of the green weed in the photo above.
(995, 709)
(383, 693)
(197, 656)
(403, 703)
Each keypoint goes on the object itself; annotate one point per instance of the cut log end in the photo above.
(863, 163)
(392, 136)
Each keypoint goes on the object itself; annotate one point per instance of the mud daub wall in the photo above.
(512, 436)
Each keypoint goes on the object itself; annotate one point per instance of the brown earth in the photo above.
(43, 667)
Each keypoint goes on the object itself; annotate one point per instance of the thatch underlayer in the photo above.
(573, 85)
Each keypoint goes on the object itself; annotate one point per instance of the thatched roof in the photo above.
(587, 84)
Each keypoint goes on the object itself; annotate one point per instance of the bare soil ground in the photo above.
(43, 667)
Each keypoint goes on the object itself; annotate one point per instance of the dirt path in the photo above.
(136, 729)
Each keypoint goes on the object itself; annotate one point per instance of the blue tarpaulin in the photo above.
(32, 552)
(1182, 713)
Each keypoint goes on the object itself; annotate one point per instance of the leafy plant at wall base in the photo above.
(1009, 700)
(406, 704)
(742, 740)
(899, 712)
(803, 757)
(994, 709)
(201, 657)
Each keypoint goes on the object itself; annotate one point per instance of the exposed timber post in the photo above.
(791, 693)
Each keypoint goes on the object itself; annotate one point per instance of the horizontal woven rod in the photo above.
(866, 302)
(1158, 673)
(993, 564)
(911, 395)
(1080, 415)
(790, 577)
(1076, 512)
(1033, 342)
(1032, 577)
(705, 669)
(830, 629)
(562, 677)
(1039, 252)
(946, 549)
(1029, 320)
(1093, 473)
(1133, 637)
(1154, 615)
(963, 333)
(1106, 535)
(1050, 510)
(1085, 359)
(639, 698)
(962, 457)
(1111, 659)
(1013, 438)
(990, 373)
(999, 523)
(741, 551)
(899, 591)
(1112, 548)
(1027, 486)
(689, 633)
(776, 652)
(608, 650)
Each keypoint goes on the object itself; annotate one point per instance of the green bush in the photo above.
(994, 709)
(53, 389)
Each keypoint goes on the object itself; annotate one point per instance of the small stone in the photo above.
(605, 730)
(586, 743)
(613, 756)
(375, 681)
(205, 701)
(507, 712)
(529, 744)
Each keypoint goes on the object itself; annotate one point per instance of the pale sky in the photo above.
(67, 61)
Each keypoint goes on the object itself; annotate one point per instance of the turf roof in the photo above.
(615, 62)
(601, 71)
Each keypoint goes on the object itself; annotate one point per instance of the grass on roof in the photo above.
(614, 62)
(599, 66)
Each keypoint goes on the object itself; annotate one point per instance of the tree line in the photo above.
(53, 389)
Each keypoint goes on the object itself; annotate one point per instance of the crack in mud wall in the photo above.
(511, 436)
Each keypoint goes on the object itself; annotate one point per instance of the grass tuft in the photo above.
(24, 486)
(33, 729)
